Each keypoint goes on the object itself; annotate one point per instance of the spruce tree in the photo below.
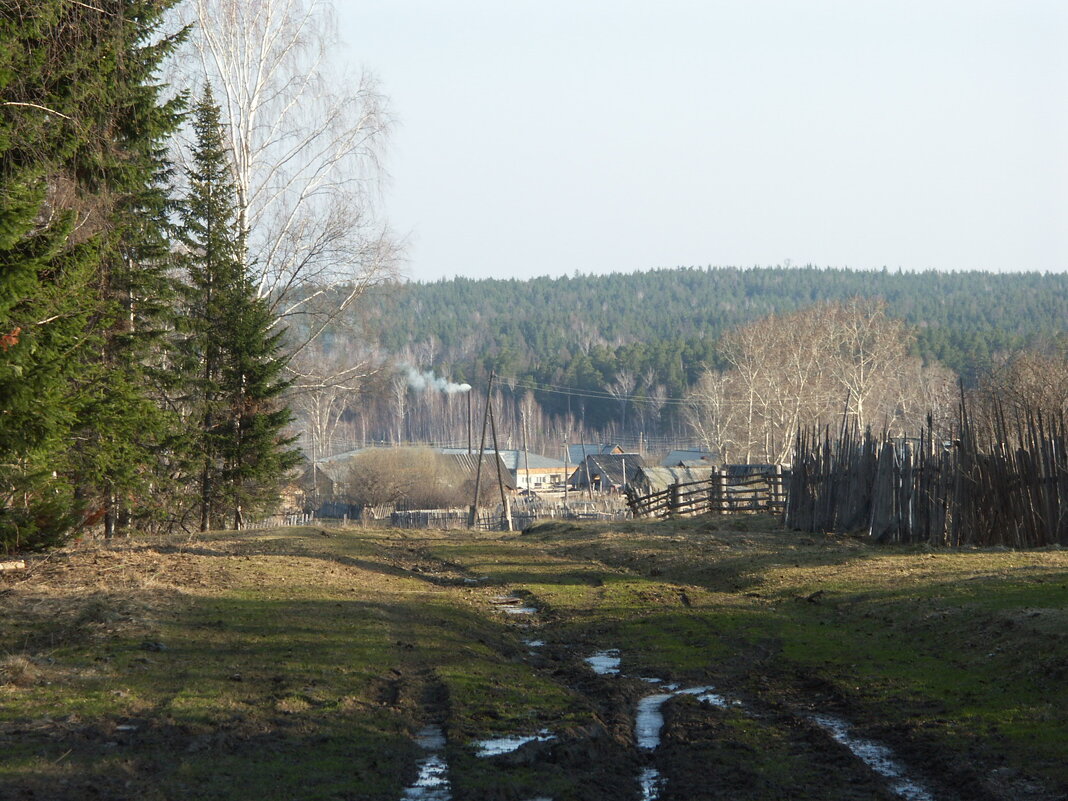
(231, 350)
(120, 447)
(83, 194)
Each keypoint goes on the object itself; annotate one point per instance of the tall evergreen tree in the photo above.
(81, 134)
(124, 430)
(231, 352)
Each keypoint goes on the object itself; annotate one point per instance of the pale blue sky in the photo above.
(539, 137)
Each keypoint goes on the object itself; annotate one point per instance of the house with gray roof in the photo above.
(528, 470)
(576, 454)
(607, 472)
(689, 458)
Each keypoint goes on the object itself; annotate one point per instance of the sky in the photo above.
(542, 137)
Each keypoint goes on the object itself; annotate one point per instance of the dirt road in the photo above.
(704, 659)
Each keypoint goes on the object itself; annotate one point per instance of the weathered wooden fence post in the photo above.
(673, 501)
(775, 491)
(722, 499)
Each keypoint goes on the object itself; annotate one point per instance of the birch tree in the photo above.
(870, 354)
(326, 385)
(711, 411)
(307, 143)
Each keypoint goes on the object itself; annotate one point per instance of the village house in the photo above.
(606, 472)
(576, 454)
(527, 470)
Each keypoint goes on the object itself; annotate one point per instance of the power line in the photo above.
(593, 394)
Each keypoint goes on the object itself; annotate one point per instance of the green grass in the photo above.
(299, 663)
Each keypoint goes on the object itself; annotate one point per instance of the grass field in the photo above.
(300, 663)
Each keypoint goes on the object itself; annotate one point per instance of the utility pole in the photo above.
(500, 479)
(473, 517)
(567, 464)
(526, 455)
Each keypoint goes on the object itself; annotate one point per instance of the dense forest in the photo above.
(962, 318)
(572, 349)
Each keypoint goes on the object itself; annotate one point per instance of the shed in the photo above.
(657, 479)
(607, 472)
(687, 458)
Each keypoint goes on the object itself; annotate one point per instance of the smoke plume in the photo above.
(427, 380)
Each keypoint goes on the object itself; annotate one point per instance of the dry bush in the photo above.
(17, 670)
(1022, 384)
(413, 478)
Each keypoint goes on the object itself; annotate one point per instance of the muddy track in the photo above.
(709, 743)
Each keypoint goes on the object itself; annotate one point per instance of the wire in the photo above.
(593, 394)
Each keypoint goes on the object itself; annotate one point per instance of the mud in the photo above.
(735, 729)
(432, 783)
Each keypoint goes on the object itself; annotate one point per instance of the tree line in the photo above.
(642, 357)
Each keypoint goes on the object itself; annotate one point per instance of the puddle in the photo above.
(706, 695)
(432, 783)
(534, 643)
(876, 756)
(506, 745)
(649, 783)
(650, 720)
(432, 738)
(513, 605)
(604, 663)
(520, 610)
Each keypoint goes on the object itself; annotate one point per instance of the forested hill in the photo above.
(668, 320)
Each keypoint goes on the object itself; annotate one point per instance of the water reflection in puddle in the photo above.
(877, 757)
(513, 605)
(706, 695)
(432, 784)
(650, 720)
(649, 784)
(604, 663)
(506, 745)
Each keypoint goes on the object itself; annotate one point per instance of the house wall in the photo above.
(539, 477)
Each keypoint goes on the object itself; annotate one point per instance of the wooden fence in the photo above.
(280, 520)
(723, 493)
(1012, 490)
(524, 512)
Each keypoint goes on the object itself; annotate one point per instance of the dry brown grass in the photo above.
(17, 670)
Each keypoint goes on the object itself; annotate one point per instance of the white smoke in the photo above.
(427, 380)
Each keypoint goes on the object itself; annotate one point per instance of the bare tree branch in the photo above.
(34, 105)
(307, 144)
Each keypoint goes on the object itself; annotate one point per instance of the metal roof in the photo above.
(576, 453)
(660, 478)
(518, 460)
(687, 457)
(609, 466)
